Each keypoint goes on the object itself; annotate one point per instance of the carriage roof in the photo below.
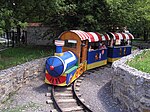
(91, 36)
(121, 36)
(95, 36)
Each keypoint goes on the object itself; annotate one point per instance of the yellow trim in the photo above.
(46, 81)
(63, 84)
(58, 54)
(112, 59)
(96, 64)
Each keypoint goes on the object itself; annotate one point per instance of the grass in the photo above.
(22, 108)
(141, 62)
(14, 56)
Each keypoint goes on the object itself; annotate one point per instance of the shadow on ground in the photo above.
(110, 104)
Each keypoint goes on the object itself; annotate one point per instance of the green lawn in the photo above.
(141, 62)
(15, 56)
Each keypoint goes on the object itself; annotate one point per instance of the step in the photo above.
(70, 70)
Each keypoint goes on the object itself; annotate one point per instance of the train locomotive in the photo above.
(78, 51)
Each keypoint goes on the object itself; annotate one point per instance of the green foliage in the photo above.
(131, 13)
(97, 15)
(6, 20)
(141, 62)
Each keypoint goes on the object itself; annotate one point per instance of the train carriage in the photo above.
(120, 45)
(73, 56)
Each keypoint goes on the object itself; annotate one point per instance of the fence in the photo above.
(12, 39)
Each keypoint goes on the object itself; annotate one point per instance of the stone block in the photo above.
(145, 102)
(139, 80)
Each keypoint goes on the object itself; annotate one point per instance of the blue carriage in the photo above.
(119, 45)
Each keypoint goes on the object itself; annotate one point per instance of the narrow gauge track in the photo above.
(68, 99)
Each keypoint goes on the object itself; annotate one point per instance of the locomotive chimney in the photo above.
(59, 44)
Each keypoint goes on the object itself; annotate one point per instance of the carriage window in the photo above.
(94, 46)
(70, 43)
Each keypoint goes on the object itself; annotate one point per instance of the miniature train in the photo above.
(78, 51)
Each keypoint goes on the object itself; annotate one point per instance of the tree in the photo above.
(91, 15)
(131, 13)
(6, 20)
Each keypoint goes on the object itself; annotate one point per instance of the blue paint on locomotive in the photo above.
(59, 49)
(96, 55)
(118, 51)
(57, 65)
(69, 76)
(69, 58)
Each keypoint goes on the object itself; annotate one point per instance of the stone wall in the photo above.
(130, 86)
(38, 35)
(12, 79)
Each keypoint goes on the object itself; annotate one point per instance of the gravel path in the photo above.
(97, 93)
(95, 90)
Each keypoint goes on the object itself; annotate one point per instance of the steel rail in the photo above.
(78, 99)
(57, 107)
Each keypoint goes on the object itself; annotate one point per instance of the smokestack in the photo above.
(59, 44)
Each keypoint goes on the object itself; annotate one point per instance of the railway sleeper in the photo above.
(77, 89)
(48, 94)
(64, 95)
(49, 101)
(81, 78)
(70, 109)
(68, 100)
(63, 89)
(78, 84)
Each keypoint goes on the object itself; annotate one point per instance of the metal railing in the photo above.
(12, 39)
